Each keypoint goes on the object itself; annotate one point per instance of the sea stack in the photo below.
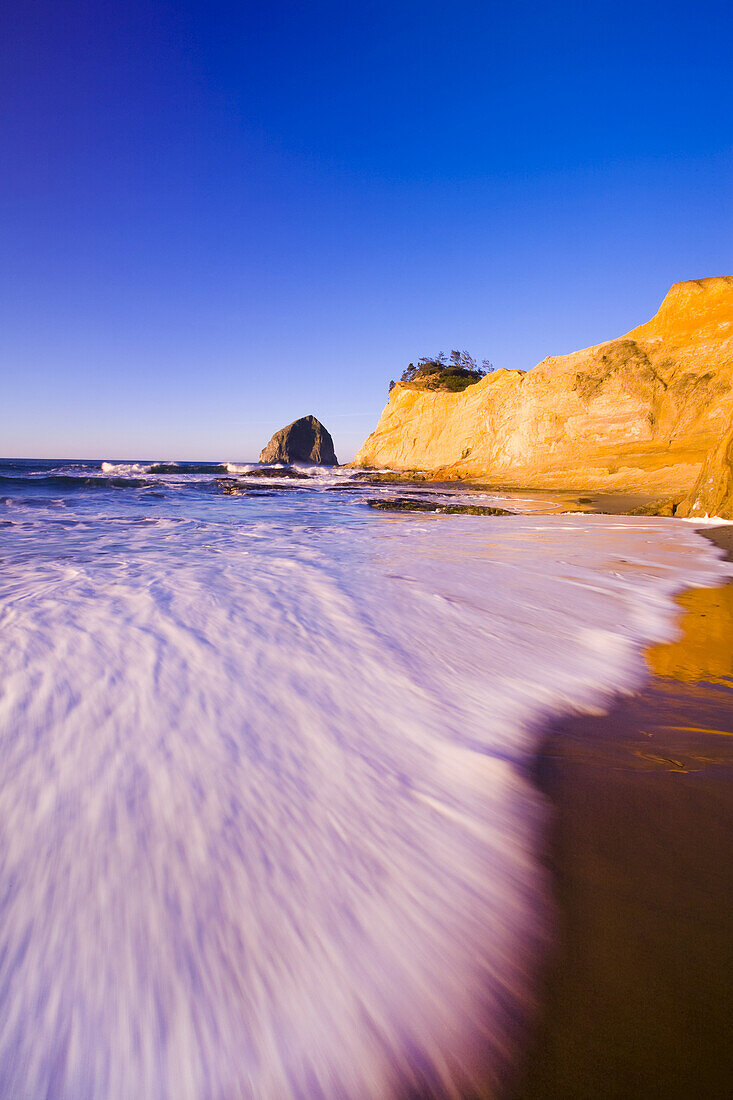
(305, 440)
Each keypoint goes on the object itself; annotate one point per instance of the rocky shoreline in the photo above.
(429, 494)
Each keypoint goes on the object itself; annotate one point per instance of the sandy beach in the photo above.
(367, 393)
(636, 1000)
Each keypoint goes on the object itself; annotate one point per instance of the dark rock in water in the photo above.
(286, 472)
(247, 484)
(252, 488)
(412, 504)
(305, 440)
(245, 491)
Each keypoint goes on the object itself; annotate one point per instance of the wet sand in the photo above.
(637, 1000)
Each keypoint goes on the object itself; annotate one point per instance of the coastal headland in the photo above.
(647, 413)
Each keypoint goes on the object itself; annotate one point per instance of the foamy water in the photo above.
(266, 827)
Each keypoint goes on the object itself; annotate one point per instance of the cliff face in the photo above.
(637, 414)
(712, 494)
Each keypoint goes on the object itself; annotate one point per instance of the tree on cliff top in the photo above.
(436, 372)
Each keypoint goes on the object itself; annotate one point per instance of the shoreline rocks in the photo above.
(413, 504)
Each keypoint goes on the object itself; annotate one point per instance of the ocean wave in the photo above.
(242, 468)
(263, 468)
(137, 468)
(76, 481)
(188, 468)
(313, 476)
(267, 825)
(124, 468)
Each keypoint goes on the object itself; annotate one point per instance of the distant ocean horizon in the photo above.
(267, 820)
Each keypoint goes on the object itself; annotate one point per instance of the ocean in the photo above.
(266, 817)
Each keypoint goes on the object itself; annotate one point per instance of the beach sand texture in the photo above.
(638, 992)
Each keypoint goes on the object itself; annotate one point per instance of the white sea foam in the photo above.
(246, 467)
(319, 477)
(124, 469)
(266, 827)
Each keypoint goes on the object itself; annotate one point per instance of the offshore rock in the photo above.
(634, 415)
(305, 440)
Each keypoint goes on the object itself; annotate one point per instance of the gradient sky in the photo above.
(215, 217)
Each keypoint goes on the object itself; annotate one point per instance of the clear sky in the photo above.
(216, 217)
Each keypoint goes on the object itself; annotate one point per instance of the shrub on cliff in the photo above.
(440, 373)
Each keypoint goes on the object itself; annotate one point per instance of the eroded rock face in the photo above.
(305, 440)
(636, 414)
(712, 494)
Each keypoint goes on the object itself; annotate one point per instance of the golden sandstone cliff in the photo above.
(650, 412)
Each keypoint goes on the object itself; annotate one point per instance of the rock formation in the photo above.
(712, 494)
(636, 414)
(305, 440)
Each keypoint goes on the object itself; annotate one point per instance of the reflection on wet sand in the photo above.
(642, 853)
(704, 650)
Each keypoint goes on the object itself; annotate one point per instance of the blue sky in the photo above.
(215, 217)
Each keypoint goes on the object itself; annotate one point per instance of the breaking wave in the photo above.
(74, 481)
(267, 829)
(134, 468)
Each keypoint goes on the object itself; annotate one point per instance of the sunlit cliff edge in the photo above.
(649, 412)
